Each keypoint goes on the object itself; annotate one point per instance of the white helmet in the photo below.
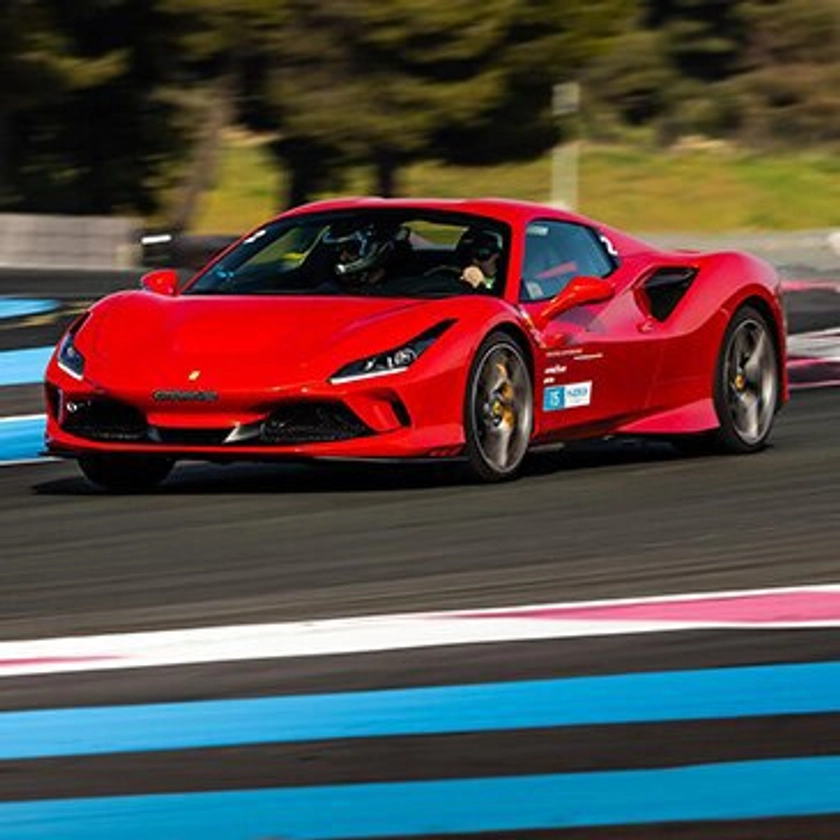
(362, 249)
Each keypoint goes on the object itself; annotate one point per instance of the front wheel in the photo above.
(125, 473)
(498, 409)
(746, 382)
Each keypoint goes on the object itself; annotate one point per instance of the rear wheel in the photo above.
(746, 382)
(125, 473)
(498, 410)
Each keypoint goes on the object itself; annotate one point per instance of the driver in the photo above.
(363, 254)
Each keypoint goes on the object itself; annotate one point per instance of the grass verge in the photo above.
(700, 189)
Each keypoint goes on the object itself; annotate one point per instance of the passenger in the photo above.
(483, 250)
(478, 254)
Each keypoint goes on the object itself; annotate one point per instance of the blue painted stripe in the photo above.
(679, 695)
(738, 790)
(20, 307)
(21, 439)
(24, 367)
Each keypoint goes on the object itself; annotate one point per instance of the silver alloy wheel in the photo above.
(502, 406)
(751, 382)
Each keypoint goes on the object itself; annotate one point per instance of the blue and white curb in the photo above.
(24, 367)
(24, 307)
(22, 439)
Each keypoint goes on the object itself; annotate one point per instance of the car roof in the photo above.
(501, 208)
(512, 211)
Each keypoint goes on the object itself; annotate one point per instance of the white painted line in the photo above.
(822, 345)
(805, 606)
(22, 417)
(28, 462)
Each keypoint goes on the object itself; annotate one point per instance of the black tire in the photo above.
(498, 409)
(747, 383)
(125, 473)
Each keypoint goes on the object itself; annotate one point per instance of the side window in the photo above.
(555, 252)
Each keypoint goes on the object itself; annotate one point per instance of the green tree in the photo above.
(220, 46)
(662, 70)
(702, 39)
(763, 71)
(38, 67)
(628, 84)
(789, 89)
(371, 82)
(87, 129)
(548, 42)
(388, 83)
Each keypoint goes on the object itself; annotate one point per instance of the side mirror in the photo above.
(161, 282)
(580, 290)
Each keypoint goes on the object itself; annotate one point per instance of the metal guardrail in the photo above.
(101, 243)
(814, 249)
(186, 251)
(67, 242)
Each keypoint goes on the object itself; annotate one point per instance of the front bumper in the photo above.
(368, 420)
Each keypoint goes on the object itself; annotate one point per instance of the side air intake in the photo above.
(665, 288)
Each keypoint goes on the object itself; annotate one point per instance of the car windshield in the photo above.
(381, 253)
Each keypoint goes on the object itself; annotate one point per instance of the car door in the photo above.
(595, 365)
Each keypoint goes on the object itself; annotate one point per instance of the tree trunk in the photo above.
(7, 12)
(310, 168)
(386, 166)
(5, 169)
(203, 168)
(300, 187)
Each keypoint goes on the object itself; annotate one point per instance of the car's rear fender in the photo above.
(693, 332)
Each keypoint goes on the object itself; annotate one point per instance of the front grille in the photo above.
(103, 418)
(107, 419)
(312, 422)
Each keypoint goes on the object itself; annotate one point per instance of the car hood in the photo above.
(244, 342)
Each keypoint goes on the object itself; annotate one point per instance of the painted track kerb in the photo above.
(24, 367)
(22, 440)
(740, 790)
(25, 307)
(708, 694)
(791, 607)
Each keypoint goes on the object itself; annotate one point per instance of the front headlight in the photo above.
(70, 360)
(391, 361)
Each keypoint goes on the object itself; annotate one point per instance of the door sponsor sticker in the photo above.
(573, 395)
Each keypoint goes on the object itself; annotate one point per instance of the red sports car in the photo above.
(419, 329)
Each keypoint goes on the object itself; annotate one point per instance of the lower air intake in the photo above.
(190, 437)
(104, 419)
(312, 422)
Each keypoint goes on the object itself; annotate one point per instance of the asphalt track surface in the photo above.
(266, 543)
(240, 544)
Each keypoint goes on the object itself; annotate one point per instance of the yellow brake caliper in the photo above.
(503, 401)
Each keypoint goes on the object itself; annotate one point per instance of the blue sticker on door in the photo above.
(573, 395)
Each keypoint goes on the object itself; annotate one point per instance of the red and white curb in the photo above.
(794, 286)
(794, 607)
(817, 345)
(814, 359)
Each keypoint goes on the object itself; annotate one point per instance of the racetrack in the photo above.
(243, 544)
(254, 543)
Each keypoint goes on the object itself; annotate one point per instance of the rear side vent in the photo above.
(665, 288)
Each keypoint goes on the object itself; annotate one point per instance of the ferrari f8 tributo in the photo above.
(470, 330)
